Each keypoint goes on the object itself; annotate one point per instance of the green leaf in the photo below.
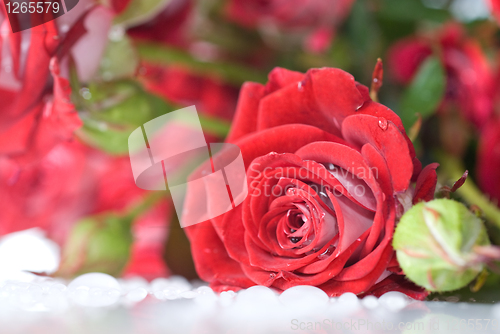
(425, 92)
(410, 10)
(139, 11)
(116, 109)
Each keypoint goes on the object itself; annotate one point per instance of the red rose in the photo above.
(210, 95)
(119, 6)
(37, 113)
(329, 174)
(170, 26)
(150, 233)
(470, 79)
(51, 194)
(495, 8)
(74, 181)
(316, 18)
(488, 162)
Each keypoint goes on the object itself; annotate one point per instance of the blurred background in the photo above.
(73, 89)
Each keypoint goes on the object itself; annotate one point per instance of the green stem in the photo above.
(233, 73)
(454, 169)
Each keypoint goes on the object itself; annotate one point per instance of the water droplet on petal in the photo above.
(382, 123)
(64, 28)
(116, 33)
(326, 253)
(300, 86)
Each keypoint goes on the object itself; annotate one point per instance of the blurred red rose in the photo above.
(470, 79)
(210, 95)
(150, 233)
(170, 26)
(51, 194)
(119, 6)
(74, 181)
(317, 18)
(488, 162)
(176, 83)
(327, 170)
(495, 8)
(37, 112)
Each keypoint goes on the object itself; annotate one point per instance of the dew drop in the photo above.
(300, 86)
(117, 33)
(326, 253)
(330, 166)
(295, 239)
(382, 123)
(64, 28)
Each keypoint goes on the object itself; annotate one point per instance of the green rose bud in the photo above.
(97, 244)
(436, 244)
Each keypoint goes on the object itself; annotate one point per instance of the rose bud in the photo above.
(440, 245)
(101, 243)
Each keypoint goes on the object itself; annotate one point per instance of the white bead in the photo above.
(394, 301)
(304, 296)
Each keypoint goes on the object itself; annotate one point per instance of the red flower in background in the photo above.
(170, 26)
(308, 142)
(150, 233)
(51, 194)
(488, 162)
(74, 181)
(119, 6)
(47, 179)
(211, 96)
(317, 18)
(495, 8)
(176, 83)
(470, 79)
(37, 113)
